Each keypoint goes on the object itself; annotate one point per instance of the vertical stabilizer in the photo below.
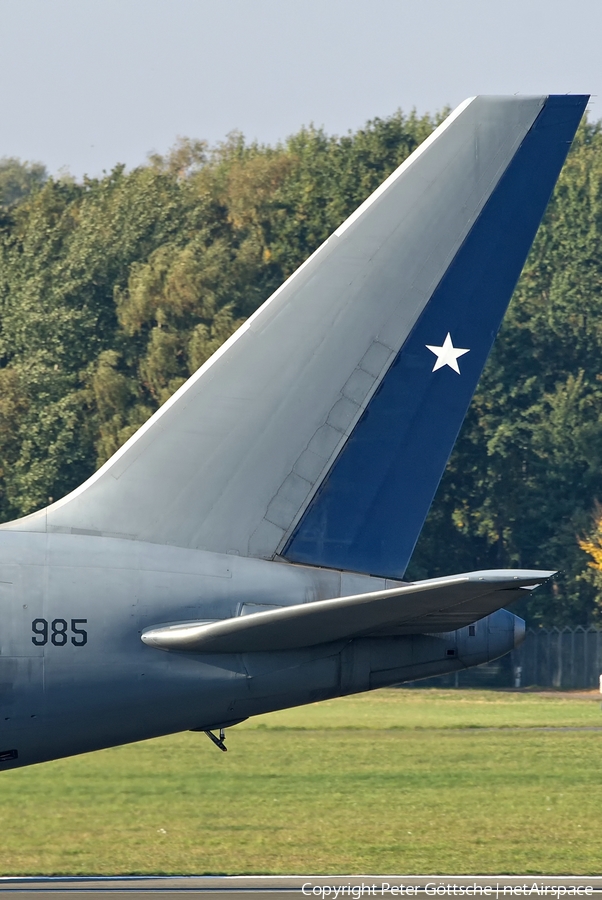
(320, 430)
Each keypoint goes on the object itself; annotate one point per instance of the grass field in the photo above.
(404, 781)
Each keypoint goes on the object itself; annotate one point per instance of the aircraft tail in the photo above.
(319, 432)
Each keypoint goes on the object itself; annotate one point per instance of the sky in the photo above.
(87, 84)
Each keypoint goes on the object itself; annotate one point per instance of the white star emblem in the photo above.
(447, 355)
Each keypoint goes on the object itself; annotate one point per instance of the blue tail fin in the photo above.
(369, 510)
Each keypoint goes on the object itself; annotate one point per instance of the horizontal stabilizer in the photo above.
(435, 605)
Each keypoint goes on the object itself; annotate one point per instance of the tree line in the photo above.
(113, 290)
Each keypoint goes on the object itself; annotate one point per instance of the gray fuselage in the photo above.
(75, 676)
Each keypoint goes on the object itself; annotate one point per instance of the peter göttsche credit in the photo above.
(432, 889)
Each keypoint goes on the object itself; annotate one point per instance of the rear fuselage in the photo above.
(75, 676)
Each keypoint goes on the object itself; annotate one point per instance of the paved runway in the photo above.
(338, 887)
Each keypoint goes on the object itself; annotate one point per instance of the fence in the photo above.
(559, 658)
(562, 658)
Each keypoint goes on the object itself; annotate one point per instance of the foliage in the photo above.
(18, 179)
(113, 291)
(591, 543)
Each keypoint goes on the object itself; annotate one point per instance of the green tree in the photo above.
(18, 179)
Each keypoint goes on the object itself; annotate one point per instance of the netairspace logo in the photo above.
(434, 889)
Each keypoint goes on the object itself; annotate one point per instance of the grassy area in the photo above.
(397, 781)
(420, 708)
